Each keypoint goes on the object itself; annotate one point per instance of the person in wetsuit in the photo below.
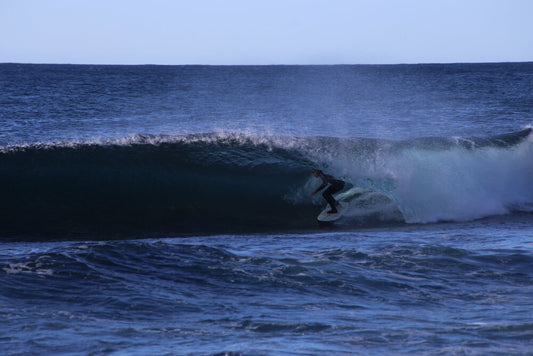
(336, 185)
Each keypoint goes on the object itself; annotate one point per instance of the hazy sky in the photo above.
(265, 31)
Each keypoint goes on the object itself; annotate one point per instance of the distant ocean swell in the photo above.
(216, 183)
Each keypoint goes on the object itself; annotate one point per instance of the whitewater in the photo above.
(167, 210)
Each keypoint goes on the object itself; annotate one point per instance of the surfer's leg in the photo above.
(328, 195)
(331, 201)
(337, 188)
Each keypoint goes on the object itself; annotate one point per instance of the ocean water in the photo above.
(167, 210)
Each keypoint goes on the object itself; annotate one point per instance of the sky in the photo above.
(265, 31)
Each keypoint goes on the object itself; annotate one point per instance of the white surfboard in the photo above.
(325, 217)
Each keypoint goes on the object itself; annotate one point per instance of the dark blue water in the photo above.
(167, 210)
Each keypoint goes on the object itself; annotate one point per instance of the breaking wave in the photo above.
(229, 182)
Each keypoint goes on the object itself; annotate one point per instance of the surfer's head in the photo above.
(315, 172)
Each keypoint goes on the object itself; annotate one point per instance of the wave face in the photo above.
(217, 183)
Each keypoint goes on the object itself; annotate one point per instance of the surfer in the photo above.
(336, 185)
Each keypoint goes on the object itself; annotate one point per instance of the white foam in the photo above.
(28, 268)
(456, 184)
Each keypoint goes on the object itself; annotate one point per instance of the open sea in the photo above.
(167, 210)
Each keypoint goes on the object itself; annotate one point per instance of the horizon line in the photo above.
(265, 65)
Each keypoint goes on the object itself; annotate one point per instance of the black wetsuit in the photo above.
(336, 185)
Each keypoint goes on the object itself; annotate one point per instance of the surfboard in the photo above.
(325, 217)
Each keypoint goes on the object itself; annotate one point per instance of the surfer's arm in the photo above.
(322, 186)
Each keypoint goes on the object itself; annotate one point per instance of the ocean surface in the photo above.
(167, 210)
